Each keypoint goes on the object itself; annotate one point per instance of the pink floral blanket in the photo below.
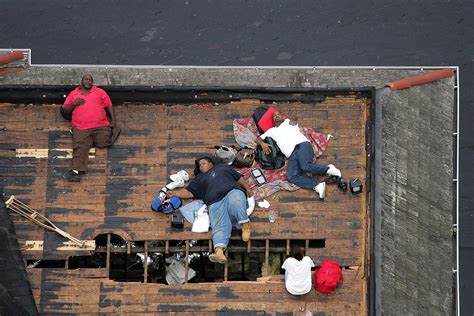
(245, 133)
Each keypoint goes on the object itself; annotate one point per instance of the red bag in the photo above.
(327, 277)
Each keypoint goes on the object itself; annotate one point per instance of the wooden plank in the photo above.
(186, 262)
(108, 252)
(267, 251)
(37, 245)
(241, 102)
(145, 264)
(226, 265)
(45, 152)
(114, 197)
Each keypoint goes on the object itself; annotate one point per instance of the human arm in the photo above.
(193, 190)
(293, 121)
(111, 114)
(181, 193)
(265, 147)
(246, 187)
(70, 105)
(109, 110)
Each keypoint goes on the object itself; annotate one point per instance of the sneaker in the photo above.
(333, 171)
(246, 231)
(72, 176)
(175, 184)
(181, 175)
(218, 256)
(321, 190)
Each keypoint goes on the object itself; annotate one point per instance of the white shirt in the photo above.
(298, 275)
(286, 136)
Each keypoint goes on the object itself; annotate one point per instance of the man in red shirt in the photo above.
(93, 123)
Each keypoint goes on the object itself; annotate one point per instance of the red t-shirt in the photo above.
(91, 113)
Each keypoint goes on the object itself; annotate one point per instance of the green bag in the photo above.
(274, 160)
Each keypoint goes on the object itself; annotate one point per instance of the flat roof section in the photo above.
(115, 195)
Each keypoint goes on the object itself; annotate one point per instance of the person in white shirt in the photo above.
(297, 148)
(298, 272)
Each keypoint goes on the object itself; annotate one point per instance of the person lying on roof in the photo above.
(93, 123)
(265, 117)
(297, 148)
(224, 192)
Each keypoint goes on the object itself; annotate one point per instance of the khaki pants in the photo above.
(83, 140)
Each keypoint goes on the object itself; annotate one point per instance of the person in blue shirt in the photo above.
(224, 192)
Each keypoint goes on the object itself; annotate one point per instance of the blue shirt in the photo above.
(214, 185)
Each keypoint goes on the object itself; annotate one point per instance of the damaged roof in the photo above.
(413, 172)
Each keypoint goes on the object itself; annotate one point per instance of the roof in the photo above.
(417, 252)
(414, 186)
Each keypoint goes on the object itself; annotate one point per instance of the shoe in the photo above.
(321, 190)
(333, 171)
(331, 180)
(72, 176)
(175, 184)
(218, 256)
(246, 231)
(180, 175)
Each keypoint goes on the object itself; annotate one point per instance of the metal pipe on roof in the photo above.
(421, 79)
(10, 57)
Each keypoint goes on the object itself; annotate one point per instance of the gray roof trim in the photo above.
(375, 308)
(457, 135)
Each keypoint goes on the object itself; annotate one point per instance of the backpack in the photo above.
(244, 157)
(328, 276)
(225, 153)
(274, 160)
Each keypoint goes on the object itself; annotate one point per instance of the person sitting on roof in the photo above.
(298, 272)
(224, 192)
(93, 123)
(297, 148)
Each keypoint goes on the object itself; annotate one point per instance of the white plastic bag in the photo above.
(201, 221)
(176, 270)
(251, 204)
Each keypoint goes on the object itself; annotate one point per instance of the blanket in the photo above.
(245, 133)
